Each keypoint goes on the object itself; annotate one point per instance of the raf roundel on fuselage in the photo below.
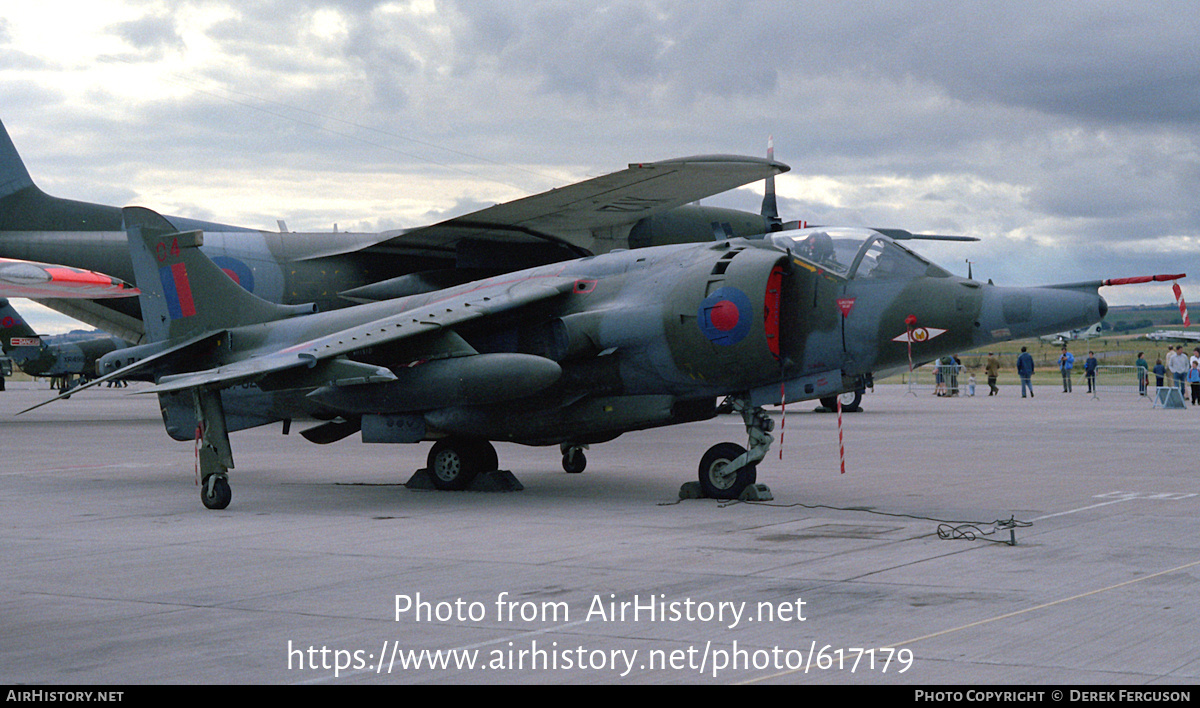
(725, 316)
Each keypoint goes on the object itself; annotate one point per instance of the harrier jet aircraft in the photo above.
(572, 354)
(64, 362)
(1073, 334)
(1173, 335)
(644, 205)
(28, 279)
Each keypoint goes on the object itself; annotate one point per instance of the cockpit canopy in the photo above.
(853, 252)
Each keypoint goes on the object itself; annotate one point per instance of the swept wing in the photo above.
(488, 299)
(604, 207)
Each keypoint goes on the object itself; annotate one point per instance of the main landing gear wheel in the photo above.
(715, 481)
(215, 492)
(850, 401)
(455, 462)
(574, 461)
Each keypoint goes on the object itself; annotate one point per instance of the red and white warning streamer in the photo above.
(1187, 321)
(199, 437)
(909, 323)
(782, 414)
(841, 443)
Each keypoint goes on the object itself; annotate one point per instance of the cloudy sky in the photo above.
(1065, 135)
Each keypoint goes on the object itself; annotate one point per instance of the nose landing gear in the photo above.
(728, 469)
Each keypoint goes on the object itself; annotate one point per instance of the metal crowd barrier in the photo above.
(1120, 380)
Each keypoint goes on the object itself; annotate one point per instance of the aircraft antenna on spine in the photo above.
(770, 207)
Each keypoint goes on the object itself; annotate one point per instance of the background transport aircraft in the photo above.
(64, 362)
(572, 354)
(646, 204)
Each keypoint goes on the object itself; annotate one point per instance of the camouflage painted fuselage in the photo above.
(628, 340)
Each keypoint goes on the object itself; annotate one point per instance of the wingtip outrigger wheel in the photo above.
(215, 457)
(216, 493)
(573, 459)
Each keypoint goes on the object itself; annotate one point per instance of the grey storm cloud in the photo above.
(153, 34)
(1110, 61)
(1041, 128)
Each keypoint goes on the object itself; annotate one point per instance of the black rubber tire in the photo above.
(574, 461)
(453, 463)
(221, 496)
(715, 460)
(850, 401)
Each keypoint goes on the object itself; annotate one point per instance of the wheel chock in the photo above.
(494, 481)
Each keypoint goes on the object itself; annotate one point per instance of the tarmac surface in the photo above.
(324, 569)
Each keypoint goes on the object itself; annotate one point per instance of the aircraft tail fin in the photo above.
(24, 207)
(185, 294)
(14, 331)
(13, 175)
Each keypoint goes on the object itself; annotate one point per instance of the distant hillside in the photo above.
(1127, 318)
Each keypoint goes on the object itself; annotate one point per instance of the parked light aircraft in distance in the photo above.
(573, 353)
(1174, 335)
(64, 362)
(1073, 334)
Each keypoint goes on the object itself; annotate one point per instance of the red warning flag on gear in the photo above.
(1187, 321)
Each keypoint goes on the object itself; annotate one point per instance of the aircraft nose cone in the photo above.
(1015, 313)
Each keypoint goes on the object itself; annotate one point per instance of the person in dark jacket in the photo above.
(1025, 371)
(1194, 380)
(1089, 370)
